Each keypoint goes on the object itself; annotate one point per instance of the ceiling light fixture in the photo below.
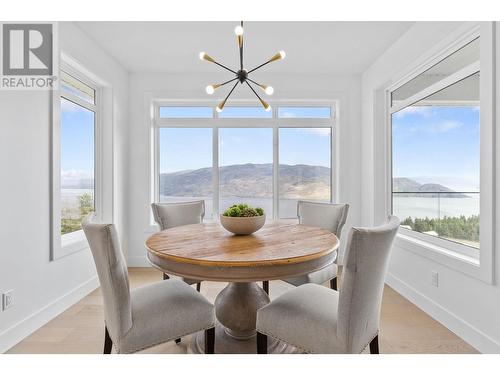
(242, 75)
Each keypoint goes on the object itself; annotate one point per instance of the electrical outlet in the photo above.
(434, 279)
(8, 299)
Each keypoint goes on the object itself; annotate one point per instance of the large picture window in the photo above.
(436, 150)
(244, 154)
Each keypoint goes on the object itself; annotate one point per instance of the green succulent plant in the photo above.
(243, 210)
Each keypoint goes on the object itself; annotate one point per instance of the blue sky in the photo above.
(191, 148)
(77, 142)
(437, 144)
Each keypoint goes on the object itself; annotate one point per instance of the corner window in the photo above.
(435, 122)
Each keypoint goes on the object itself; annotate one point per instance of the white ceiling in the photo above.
(311, 47)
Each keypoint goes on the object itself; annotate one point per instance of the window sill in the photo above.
(72, 243)
(439, 254)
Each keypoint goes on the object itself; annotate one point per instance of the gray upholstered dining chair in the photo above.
(321, 320)
(329, 216)
(169, 215)
(149, 315)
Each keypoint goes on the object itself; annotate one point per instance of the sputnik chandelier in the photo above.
(242, 75)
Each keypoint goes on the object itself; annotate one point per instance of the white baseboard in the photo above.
(28, 325)
(475, 337)
(138, 262)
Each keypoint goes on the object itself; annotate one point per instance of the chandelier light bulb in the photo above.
(204, 56)
(268, 108)
(269, 90)
(238, 30)
(278, 56)
(210, 89)
(218, 109)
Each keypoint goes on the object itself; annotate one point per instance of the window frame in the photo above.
(451, 254)
(69, 243)
(216, 123)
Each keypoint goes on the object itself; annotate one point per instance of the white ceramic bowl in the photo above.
(242, 225)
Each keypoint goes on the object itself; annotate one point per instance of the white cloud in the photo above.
(424, 111)
(68, 106)
(445, 126)
(320, 131)
(286, 114)
(75, 175)
(430, 127)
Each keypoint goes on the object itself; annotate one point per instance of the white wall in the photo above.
(468, 306)
(290, 87)
(42, 288)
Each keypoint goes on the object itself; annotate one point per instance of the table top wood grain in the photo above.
(209, 244)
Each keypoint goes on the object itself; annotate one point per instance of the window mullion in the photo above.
(82, 103)
(215, 172)
(276, 172)
(438, 86)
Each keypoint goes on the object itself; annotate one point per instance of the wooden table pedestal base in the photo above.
(236, 311)
(225, 344)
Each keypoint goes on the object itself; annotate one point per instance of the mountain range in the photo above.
(256, 180)
(253, 180)
(415, 189)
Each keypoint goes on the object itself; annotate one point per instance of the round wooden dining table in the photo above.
(207, 251)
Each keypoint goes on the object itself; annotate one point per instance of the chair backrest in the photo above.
(323, 215)
(113, 276)
(169, 215)
(363, 278)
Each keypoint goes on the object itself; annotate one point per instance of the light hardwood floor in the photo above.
(80, 329)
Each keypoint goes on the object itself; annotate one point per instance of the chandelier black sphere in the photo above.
(241, 75)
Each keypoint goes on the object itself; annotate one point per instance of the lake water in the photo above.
(70, 202)
(403, 206)
(434, 207)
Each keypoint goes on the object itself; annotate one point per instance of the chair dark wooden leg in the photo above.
(165, 276)
(198, 286)
(108, 343)
(374, 346)
(178, 340)
(265, 286)
(261, 343)
(210, 341)
(333, 283)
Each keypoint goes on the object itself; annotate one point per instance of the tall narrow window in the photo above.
(246, 167)
(436, 152)
(186, 166)
(304, 167)
(77, 152)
